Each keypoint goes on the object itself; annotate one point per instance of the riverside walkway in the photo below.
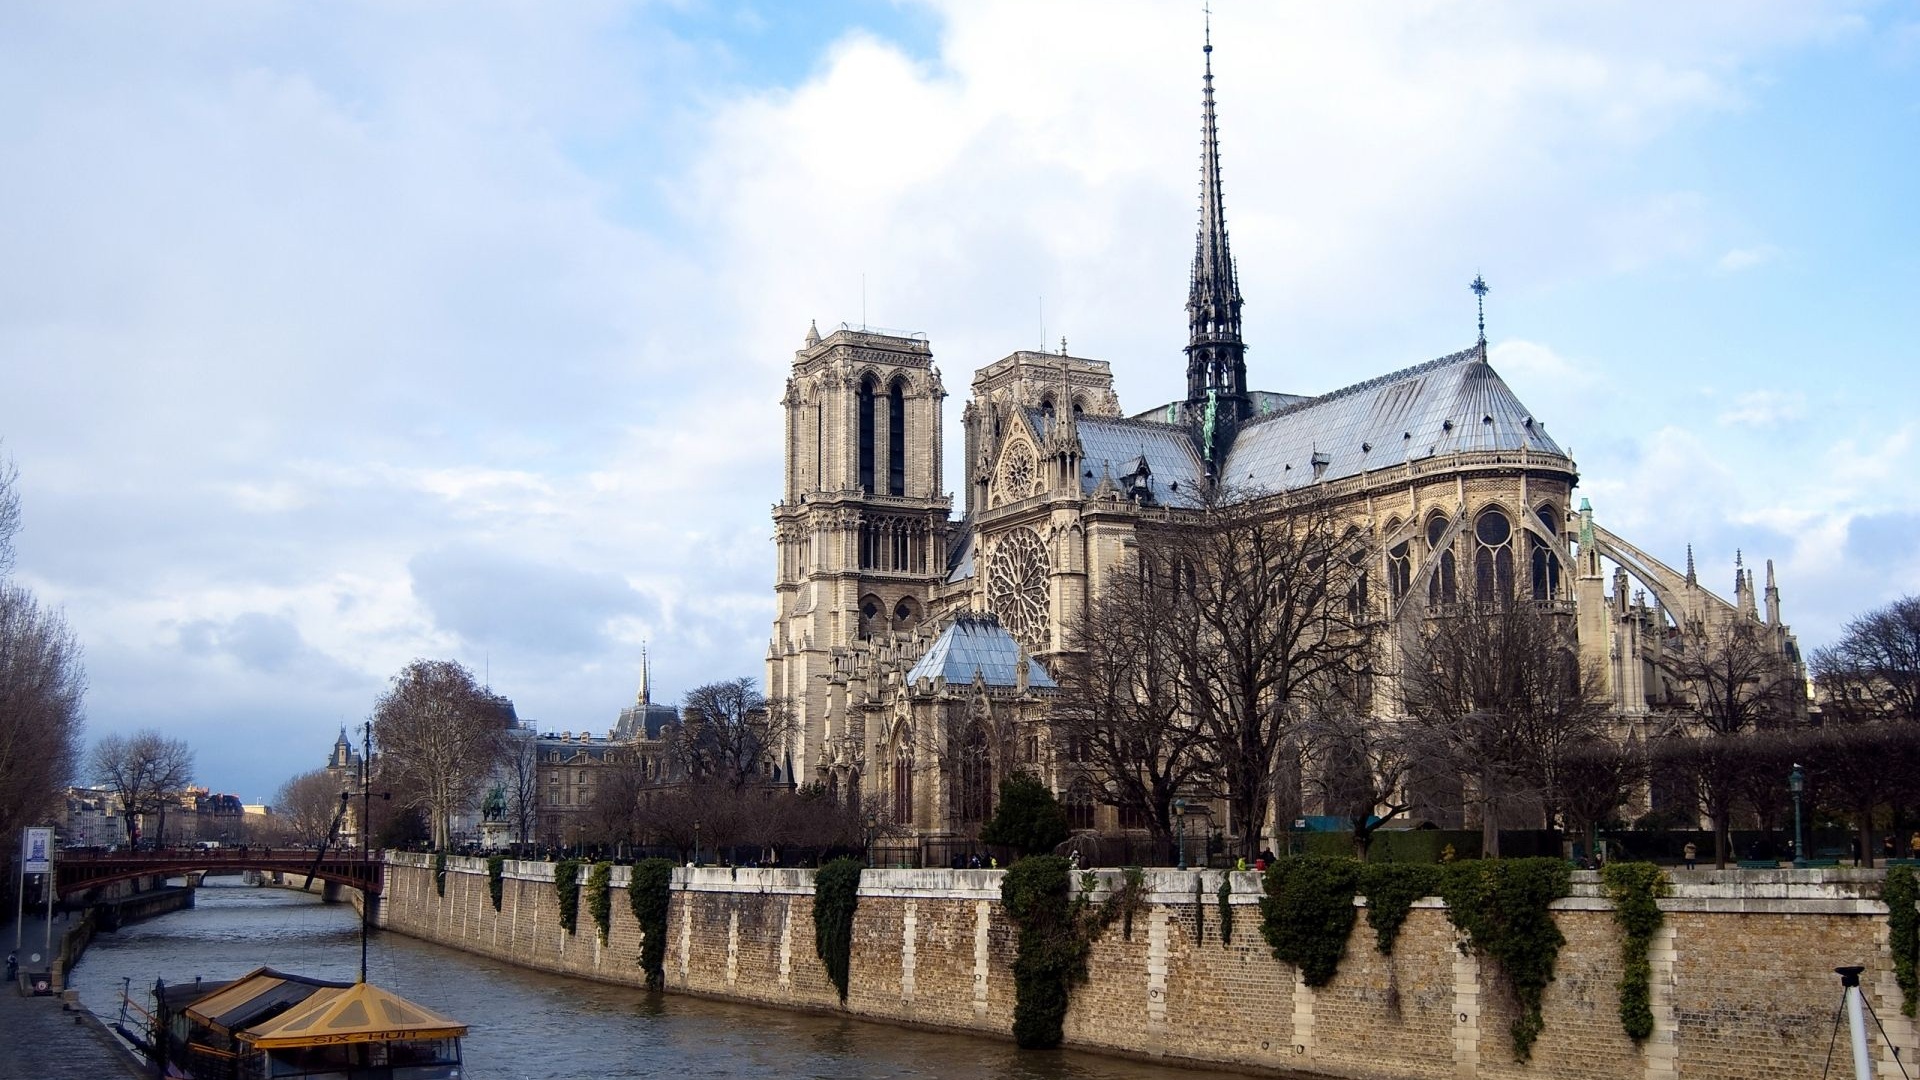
(47, 1038)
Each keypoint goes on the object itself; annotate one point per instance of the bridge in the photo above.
(77, 871)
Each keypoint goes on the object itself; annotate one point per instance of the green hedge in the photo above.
(836, 893)
(566, 887)
(1501, 905)
(647, 894)
(496, 874)
(1635, 889)
(1051, 951)
(1391, 889)
(600, 897)
(1308, 912)
(1900, 892)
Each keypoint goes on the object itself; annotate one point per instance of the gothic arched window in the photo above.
(976, 777)
(1442, 587)
(1545, 564)
(1017, 590)
(866, 434)
(1079, 806)
(1399, 565)
(1492, 557)
(903, 779)
(897, 438)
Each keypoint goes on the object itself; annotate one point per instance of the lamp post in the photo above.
(1180, 820)
(869, 839)
(696, 843)
(1797, 783)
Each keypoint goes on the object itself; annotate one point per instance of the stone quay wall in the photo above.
(1743, 982)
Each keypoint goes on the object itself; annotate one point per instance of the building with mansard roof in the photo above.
(916, 646)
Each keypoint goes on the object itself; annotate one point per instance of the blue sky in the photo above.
(335, 336)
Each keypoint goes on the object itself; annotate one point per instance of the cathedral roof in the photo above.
(978, 644)
(1114, 447)
(1456, 404)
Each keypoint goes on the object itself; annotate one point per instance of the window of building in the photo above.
(897, 439)
(1079, 806)
(1492, 557)
(866, 435)
(1442, 588)
(976, 777)
(903, 782)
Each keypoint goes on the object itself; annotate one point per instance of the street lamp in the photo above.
(696, 843)
(1180, 819)
(1797, 783)
(869, 839)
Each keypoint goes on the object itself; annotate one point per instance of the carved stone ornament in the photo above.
(1017, 586)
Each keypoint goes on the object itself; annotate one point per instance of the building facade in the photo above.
(915, 646)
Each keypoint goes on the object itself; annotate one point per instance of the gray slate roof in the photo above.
(1113, 447)
(977, 643)
(1454, 404)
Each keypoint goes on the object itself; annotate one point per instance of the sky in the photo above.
(332, 336)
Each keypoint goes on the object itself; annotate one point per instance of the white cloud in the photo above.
(1746, 258)
(1765, 408)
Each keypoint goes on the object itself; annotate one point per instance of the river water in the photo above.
(531, 1026)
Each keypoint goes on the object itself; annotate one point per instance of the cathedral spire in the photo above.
(645, 696)
(1216, 356)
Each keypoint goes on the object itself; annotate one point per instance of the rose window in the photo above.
(1016, 473)
(1017, 586)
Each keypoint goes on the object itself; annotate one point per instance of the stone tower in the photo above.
(861, 528)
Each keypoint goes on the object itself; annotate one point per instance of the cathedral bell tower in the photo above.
(1217, 400)
(861, 528)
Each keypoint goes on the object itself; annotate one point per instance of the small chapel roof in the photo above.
(978, 644)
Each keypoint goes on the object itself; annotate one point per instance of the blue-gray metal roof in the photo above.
(1455, 404)
(1113, 447)
(977, 643)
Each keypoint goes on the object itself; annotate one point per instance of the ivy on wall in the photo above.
(1635, 889)
(1051, 950)
(600, 897)
(1391, 889)
(1900, 891)
(836, 892)
(566, 887)
(1501, 905)
(1226, 909)
(1128, 899)
(440, 873)
(1308, 912)
(647, 894)
(496, 873)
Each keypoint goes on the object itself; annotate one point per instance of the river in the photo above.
(527, 1025)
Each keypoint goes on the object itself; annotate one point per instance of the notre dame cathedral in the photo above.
(915, 646)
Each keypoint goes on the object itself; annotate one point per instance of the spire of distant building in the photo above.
(645, 697)
(1216, 355)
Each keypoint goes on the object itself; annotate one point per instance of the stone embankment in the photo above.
(1742, 984)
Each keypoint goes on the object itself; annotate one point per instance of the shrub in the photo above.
(1308, 912)
(1900, 892)
(1029, 819)
(1635, 889)
(1051, 953)
(566, 887)
(1226, 909)
(440, 873)
(496, 873)
(600, 897)
(647, 894)
(1501, 905)
(836, 892)
(1391, 889)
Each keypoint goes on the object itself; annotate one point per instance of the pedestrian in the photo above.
(1913, 846)
(1691, 853)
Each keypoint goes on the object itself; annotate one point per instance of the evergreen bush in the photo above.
(1029, 819)
(1391, 889)
(1308, 912)
(566, 887)
(836, 893)
(600, 897)
(496, 874)
(1899, 892)
(1501, 905)
(1051, 953)
(648, 892)
(1635, 889)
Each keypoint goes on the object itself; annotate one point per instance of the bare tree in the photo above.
(146, 770)
(729, 732)
(614, 812)
(1265, 608)
(1496, 691)
(308, 806)
(520, 763)
(1119, 714)
(9, 513)
(1360, 766)
(1873, 671)
(439, 735)
(1737, 684)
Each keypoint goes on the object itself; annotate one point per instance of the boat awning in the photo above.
(359, 1013)
(257, 993)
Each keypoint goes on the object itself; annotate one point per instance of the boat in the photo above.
(272, 1024)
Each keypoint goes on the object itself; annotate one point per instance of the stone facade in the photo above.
(1743, 973)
